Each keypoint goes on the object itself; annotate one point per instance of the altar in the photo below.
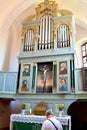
(33, 122)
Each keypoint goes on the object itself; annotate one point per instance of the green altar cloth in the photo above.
(29, 126)
(33, 122)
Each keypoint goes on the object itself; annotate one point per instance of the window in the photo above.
(84, 54)
(84, 69)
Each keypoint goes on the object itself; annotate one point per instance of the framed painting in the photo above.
(24, 85)
(63, 68)
(26, 70)
(63, 84)
(44, 77)
(63, 76)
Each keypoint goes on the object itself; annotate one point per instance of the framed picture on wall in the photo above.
(24, 85)
(63, 68)
(44, 77)
(63, 84)
(63, 76)
(26, 70)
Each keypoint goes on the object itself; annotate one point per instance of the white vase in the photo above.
(60, 113)
(23, 111)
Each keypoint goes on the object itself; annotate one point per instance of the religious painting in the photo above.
(63, 84)
(44, 78)
(26, 70)
(63, 76)
(24, 86)
(63, 68)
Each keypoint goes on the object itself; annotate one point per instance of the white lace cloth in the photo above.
(37, 119)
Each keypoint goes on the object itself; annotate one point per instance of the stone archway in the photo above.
(78, 113)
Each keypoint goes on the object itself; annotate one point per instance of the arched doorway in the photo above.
(78, 113)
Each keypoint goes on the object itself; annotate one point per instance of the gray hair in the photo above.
(49, 112)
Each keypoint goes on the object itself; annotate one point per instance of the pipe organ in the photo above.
(47, 16)
(63, 36)
(47, 38)
(29, 40)
(46, 32)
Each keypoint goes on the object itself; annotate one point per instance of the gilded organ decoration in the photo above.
(45, 8)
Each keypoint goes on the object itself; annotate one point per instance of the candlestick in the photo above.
(30, 111)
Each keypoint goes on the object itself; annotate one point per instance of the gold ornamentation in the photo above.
(22, 38)
(46, 7)
(62, 22)
(70, 31)
(40, 108)
(54, 63)
(36, 36)
(55, 33)
(55, 25)
(35, 64)
(30, 18)
(64, 12)
(36, 29)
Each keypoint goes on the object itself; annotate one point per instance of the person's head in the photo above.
(24, 83)
(63, 82)
(49, 113)
(26, 68)
(62, 66)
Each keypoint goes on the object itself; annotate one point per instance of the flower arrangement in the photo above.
(61, 107)
(23, 106)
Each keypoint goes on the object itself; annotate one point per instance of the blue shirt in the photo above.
(63, 88)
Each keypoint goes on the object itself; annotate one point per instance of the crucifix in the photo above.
(44, 69)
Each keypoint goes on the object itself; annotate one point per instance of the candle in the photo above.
(30, 111)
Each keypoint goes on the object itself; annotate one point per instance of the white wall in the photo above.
(10, 40)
